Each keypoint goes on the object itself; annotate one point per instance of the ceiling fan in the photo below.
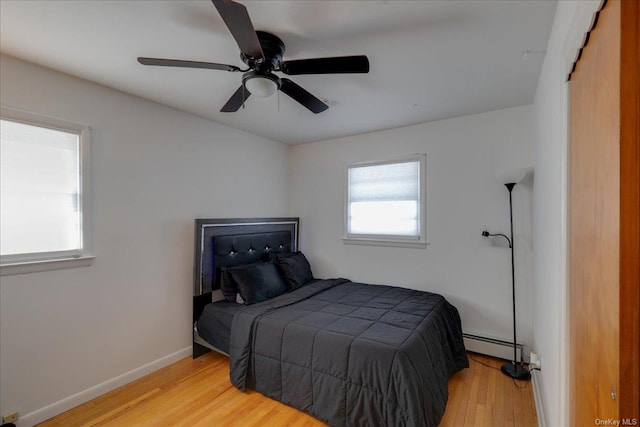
(262, 52)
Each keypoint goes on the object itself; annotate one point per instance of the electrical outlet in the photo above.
(534, 361)
(11, 417)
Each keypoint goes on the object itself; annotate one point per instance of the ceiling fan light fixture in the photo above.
(262, 85)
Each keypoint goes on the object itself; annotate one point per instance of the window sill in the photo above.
(25, 267)
(379, 242)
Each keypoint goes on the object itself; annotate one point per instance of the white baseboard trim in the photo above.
(537, 397)
(72, 401)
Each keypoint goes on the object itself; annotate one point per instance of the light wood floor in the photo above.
(198, 393)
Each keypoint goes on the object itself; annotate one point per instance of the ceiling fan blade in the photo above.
(237, 19)
(237, 99)
(333, 65)
(302, 96)
(186, 64)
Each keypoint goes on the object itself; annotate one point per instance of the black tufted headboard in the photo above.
(231, 241)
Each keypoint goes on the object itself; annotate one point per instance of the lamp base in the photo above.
(515, 370)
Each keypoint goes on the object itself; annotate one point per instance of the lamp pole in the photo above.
(513, 274)
(513, 368)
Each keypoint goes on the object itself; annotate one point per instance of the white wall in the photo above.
(465, 155)
(573, 19)
(155, 170)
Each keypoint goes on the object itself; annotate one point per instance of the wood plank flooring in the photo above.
(198, 393)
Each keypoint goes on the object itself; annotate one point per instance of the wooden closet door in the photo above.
(630, 212)
(594, 227)
(603, 249)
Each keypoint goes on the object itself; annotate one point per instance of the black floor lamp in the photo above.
(513, 368)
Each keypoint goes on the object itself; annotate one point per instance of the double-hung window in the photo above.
(44, 193)
(385, 202)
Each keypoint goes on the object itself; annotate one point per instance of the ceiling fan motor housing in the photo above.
(273, 49)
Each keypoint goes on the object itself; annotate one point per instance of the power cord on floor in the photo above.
(482, 363)
(520, 387)
(498, 369)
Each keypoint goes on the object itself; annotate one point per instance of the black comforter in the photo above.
(351, 354)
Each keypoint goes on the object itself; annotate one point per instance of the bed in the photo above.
(350, 354)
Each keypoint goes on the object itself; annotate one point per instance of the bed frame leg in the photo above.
(199, 302)
(199, 350)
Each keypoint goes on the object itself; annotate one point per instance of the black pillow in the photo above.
(228, 285)
(258, 282)
(296, 269)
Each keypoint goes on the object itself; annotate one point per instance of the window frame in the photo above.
(43, 261)
(419, 241)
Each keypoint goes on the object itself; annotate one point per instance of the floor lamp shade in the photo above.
(514, 175)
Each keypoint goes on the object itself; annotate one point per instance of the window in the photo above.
(44, 197)
(385, 202)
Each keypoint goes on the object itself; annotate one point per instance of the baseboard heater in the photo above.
(492, 347)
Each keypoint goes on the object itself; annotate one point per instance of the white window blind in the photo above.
(41, 215)
(385, 200)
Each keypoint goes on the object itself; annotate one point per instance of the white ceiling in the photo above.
(429, 59)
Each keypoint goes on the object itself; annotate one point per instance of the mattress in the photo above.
(214, 325)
